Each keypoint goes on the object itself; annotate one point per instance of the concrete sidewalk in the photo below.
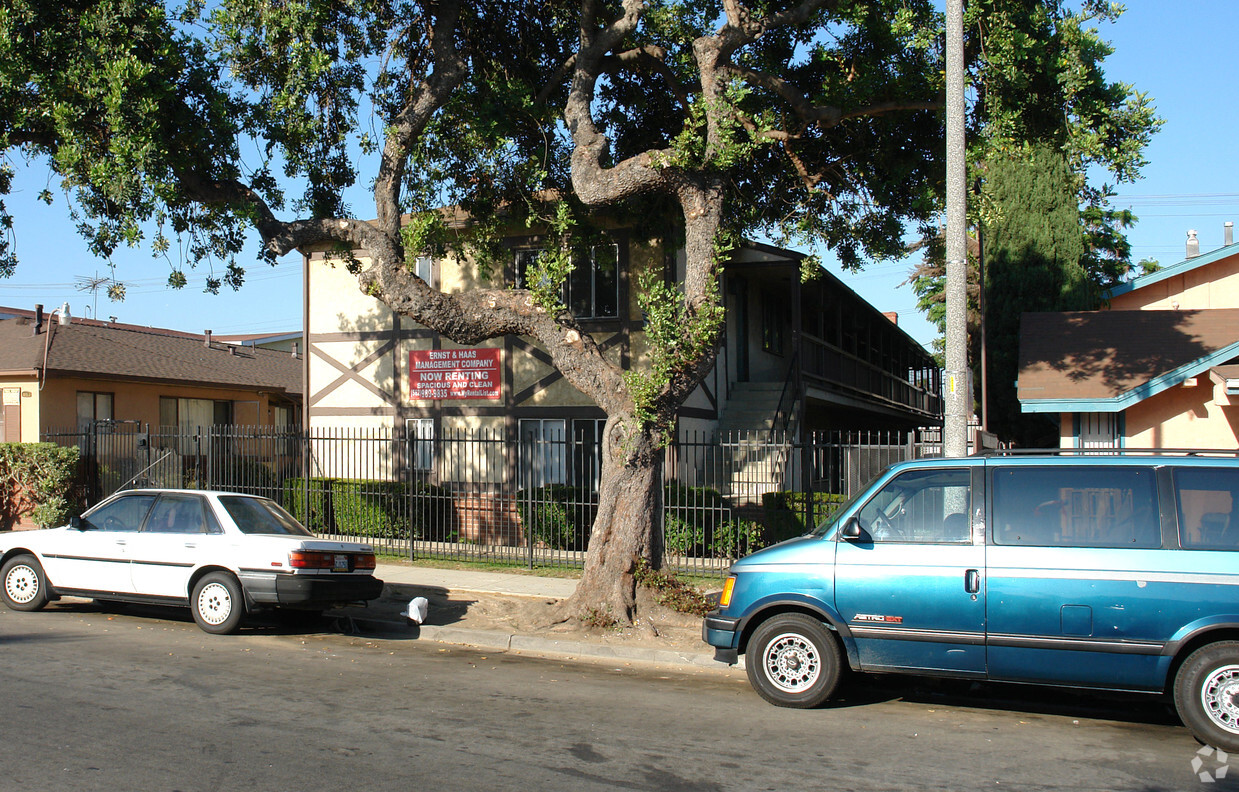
(400, 582)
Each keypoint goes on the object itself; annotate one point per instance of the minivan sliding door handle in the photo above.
(972, 581)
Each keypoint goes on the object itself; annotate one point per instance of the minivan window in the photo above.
(1207, 515)
(920, 506)
(1076, 506)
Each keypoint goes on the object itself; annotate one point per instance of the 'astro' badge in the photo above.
(877, 618)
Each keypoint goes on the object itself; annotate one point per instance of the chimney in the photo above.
(1228, 233)
(38, 318)
(232, 350)
(892, 316)
(206, 338)
(1193, 244)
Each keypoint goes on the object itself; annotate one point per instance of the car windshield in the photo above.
(261, 516)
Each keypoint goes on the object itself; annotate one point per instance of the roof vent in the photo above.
(1193, 244)
(294, 349)
(1228, 233)
(65, 316)
(206, 338)
(38, 318)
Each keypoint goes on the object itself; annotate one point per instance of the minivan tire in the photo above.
(792, 660)
(1206, 694)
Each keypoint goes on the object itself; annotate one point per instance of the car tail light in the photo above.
(311, 559)
(365, 561)
(725, 599)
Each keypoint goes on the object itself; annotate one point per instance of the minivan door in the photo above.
(908, 574)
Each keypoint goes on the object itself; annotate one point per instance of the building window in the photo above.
(93, 407)
(587, 452)
(592, 288)
(424, 269)
(593, 285)
(420, 433)
(543, 458)
(193, 413)
(773, 317)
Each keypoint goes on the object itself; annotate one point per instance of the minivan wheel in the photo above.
(793, 661)
(217, 603)
(1206, 694)
(24, 586)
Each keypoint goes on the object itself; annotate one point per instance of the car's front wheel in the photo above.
(217, 603)
(793, 661)
(1206, 694)
(25, 585)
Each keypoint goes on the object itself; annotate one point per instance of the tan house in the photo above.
(1158, 369)
(58, 375)
(797, 356)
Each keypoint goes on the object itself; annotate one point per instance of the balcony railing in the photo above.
(826, 364)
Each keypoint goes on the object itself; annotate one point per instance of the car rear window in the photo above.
(1076, 506)
(1207, 515)
(261, 516)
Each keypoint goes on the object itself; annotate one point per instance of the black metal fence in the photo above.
(482, 496)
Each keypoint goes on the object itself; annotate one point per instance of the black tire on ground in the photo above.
(23, 585)
(217, 603)
(793, 661)
(1206, 694)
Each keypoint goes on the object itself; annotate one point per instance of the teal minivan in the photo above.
(1116, 572)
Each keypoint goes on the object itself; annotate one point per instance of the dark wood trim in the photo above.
(374, 335)
(697, 412)
(352, 373)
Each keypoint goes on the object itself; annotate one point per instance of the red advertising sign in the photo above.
(454, 374)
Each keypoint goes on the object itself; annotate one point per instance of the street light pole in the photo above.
(955, 424)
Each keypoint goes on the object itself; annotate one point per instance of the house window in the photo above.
(587, 452)
(92, 407)
(424, 269)
(420, 433)
(543, 457)
(193, 413)
(773, 315)
(592, 288)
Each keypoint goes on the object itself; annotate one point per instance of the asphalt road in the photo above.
(142, 700)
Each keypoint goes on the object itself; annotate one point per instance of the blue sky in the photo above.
(1178, 53)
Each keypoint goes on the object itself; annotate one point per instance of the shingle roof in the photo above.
(1103, 361)
(109, 351)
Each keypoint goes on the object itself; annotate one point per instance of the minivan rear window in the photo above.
(1207, 515)
(1076, 506)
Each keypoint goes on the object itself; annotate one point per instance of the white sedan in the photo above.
(219, 553)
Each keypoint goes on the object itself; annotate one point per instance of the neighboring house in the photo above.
(81, 373)
(795, 356)
(1158, 369)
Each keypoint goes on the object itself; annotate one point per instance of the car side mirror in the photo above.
(852, 532)
(76, 523)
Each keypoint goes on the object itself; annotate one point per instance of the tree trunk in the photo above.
(629, 510)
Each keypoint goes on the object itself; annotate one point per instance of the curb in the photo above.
(497, 640)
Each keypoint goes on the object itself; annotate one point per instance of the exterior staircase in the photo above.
(755, 450)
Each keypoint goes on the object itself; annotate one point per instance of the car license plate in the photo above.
(341, 564)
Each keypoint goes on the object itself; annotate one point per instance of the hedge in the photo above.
(693, 519)
(557, 515)
(318, 516)
(38, 480)
(785, 511)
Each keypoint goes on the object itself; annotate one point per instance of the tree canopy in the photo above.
(813, 121)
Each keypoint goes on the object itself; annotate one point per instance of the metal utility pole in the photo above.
(955, 426)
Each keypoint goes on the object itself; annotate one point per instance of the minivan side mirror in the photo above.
(852, 531)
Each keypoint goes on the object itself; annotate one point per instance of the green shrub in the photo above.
(38, 480)
(785, 512)
(432, 513)
(691, 517)
(318, 516)
(369, 508)
(737, 538)
(557, 515)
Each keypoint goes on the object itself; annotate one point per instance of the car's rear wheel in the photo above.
(25, 585)
(793, 661)
(1206, 694)
(217, 603)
